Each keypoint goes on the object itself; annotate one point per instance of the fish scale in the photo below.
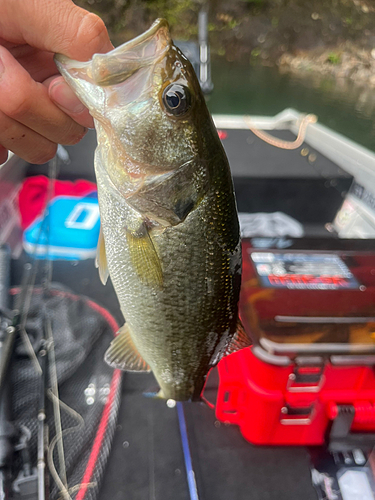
(170, 234)
(185, 309)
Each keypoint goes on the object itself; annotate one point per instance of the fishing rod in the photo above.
(204, 53)
(12, 330)
(46, 352)
(192, 484)
(7, 429)
(42, 426)
(27, 483)
(45, 346)
(12, 326)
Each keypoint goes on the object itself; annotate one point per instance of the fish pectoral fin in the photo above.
(123, 354)
(144, 258)
(101, 259)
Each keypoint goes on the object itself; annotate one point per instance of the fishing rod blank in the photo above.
(7, 429)
(7, 345)
(187, 455)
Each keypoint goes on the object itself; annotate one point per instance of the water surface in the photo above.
(259, 90)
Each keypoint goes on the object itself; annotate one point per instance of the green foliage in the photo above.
(334, 58)
(171, 10)
(233, 24)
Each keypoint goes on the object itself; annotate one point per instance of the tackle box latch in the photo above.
(297, 415)
(306, 378)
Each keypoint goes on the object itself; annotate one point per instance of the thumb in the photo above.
(57, 26)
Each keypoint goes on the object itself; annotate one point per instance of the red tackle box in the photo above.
(309, 376)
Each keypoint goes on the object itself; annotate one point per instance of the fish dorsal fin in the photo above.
(101, 259)
(144, 258)
(123, 354)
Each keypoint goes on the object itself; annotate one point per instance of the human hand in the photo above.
(37, 108)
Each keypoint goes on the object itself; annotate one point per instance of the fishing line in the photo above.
(31, 270)
(22, 306)
(52, 171)
(30, 283)
(8, 346)
(24, 302)
(42, 432)
(55, 402)
(77, 487)
(61, 476)
(58, 438)
(193, 491)
(30, 351)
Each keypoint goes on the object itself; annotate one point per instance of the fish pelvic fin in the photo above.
(123, 354)
(144, 258)
(101, 259)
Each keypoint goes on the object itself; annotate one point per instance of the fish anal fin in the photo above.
(145, 259)
(239, 341)
(101, 259)
(123, 354)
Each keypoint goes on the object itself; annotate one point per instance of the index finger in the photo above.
(57, 26)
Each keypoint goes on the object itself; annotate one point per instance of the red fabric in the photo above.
(33, 194)
(92, 461)
(91, 464)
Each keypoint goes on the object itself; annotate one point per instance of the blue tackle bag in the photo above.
(70, 231)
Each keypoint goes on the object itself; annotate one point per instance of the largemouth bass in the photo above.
(170, 236)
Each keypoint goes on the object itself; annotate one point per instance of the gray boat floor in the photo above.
(146, 461)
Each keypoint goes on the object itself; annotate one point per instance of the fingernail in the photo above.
(64, 96)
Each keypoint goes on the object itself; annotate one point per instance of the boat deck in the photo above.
(147, 459)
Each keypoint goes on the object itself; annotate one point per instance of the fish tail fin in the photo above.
(157, 394)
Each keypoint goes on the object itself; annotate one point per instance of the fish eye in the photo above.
(176, 99)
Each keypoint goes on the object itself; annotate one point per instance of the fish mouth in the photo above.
(156, 28)
(119, 64)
